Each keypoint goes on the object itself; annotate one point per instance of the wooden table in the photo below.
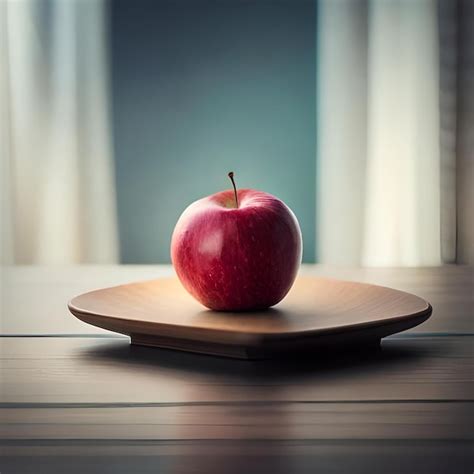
(77, 399)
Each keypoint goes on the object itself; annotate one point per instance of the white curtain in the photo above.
(58, 198)
(378, 133)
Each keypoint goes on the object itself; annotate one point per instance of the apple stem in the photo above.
(231, 176)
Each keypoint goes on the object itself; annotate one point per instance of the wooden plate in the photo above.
(318, 313)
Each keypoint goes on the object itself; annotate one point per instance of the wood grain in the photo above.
(100, 372)
(275, 421)
(101, 405)
(240, 456)
(317, 313)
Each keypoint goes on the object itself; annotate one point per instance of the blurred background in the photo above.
(118, 114)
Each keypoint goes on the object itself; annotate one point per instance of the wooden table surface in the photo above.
(77, 399)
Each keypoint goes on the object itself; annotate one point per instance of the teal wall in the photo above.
(201, 88)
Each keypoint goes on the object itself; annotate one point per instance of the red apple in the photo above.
(237, 251)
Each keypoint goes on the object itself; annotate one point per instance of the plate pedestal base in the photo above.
(279, 349)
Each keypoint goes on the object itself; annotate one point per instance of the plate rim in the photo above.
(253, 338)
